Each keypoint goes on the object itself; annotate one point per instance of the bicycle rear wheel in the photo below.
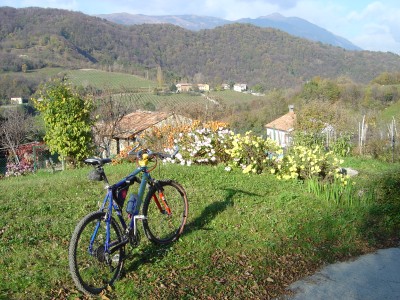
(165, 209)
(91, 268)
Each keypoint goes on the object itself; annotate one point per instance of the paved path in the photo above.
(373, 276)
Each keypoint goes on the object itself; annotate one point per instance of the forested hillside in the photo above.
(33, 38)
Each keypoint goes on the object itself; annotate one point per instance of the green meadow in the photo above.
(247, 235)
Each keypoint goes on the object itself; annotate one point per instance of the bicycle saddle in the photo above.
(97, 161)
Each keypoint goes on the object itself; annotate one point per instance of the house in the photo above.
(187, 87)
(139, 122)
(17, 100)
(280, 129)
(204, 87)
(240, 87)
(226, 86)
(183, 87)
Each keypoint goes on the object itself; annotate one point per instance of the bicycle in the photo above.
(97, 247)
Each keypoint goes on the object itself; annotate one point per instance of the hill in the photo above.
(292, 25)
(33, 38)
(190, 22)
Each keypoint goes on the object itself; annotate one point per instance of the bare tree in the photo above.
(15, 129)
(109, 110)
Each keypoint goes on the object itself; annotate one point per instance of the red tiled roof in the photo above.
(138, 121)
(284, 123)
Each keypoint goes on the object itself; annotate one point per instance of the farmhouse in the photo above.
(17, 100)
(186, 87)
(183, 87)
(240, 87)
(139, 122)
(204, 87)
(280, 129)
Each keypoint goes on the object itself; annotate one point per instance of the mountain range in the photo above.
(33, 38)
(292, 25)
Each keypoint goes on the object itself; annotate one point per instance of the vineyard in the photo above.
(165, 101)
(109, 80)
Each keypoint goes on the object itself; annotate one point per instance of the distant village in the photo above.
(203, 87)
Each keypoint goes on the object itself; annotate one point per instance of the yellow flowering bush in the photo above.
(252, 153)
(305, 163)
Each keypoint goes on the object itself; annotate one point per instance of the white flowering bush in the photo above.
(202, 146)
(252, 153)
(305, 163)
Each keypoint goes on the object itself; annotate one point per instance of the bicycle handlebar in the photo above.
(151, 154)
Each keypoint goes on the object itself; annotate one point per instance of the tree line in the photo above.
(246, 53)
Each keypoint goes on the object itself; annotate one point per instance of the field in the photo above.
(232, 97)
(247, 237)
(171, 102)
(109, 80)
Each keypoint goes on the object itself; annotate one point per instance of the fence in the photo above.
(42, 158)
(38, 157)
(3, 166)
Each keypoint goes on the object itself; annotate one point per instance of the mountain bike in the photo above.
(97, 246)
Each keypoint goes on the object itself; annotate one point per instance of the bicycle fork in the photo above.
(163, 201)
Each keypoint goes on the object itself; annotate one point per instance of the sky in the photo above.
(371, 25)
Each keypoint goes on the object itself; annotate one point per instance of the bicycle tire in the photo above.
(161, 227)
(89, 271)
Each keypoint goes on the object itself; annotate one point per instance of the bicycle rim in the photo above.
(91, 268)
(166, 225)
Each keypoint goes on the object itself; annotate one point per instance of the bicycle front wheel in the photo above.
(165, 209)
(93, 269)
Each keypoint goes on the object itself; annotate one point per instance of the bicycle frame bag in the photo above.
(120, 195)
(96, 175)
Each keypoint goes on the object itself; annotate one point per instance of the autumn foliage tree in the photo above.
(67, 120)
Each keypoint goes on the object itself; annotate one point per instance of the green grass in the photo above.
(247, 236)
(109, 80)
(42, 73)
(391, 111)
(232, 97)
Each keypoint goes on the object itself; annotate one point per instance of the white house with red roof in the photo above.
(280, 129)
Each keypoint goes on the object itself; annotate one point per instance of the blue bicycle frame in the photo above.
(129, 180)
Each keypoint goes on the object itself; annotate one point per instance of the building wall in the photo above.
(281, 137)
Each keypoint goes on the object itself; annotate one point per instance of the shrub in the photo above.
(205, 145)
(252, 153)
(17, 169)
(305, 163)
(26, 161)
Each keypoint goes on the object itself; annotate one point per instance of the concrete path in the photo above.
(373, 276)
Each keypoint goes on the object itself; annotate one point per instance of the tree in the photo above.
(258, 88)
(108, 112)
(15, 129)
(160, 77)
(67, 120)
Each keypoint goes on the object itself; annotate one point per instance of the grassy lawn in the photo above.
(248, 236)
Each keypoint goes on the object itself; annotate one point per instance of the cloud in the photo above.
(379, 27)
(372, 10)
